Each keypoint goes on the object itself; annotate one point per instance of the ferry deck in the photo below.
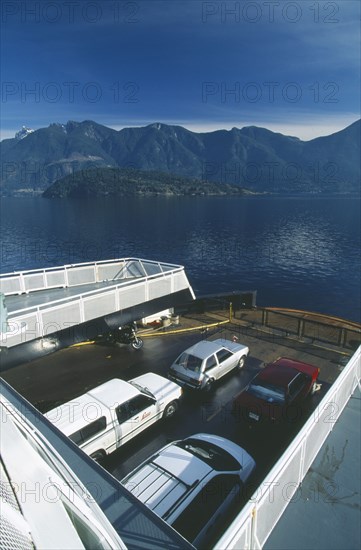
(59, 377)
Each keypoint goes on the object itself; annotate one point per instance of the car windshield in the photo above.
(268, 392)
(142, 389)
(214, 456)
(190, 362)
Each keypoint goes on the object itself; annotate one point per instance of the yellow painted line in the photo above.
(180, 330)
(153, 335)
(83, 344)
(214, 414)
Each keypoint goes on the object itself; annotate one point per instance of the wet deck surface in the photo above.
(66, 374)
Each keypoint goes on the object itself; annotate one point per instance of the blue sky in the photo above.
(292, 67)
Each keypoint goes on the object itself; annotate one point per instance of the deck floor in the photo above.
(68, 373)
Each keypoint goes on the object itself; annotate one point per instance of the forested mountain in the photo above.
(108, 182)
(251, 157)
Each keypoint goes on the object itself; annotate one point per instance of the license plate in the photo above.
(254, 416)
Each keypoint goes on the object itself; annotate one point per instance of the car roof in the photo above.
(277, 374)
(77, 413)
(300, 366)
(282, 371)
(204, 348)
(166, 477)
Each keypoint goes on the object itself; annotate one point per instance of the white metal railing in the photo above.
(140, 281)
(252, 527)
(20, 282)
(44, 485)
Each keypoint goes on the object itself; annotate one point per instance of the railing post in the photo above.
(81, 308)
(22, 283)
(302, 462)
(66, 276)
(264, 316)
(172, 282)
(255, 545)
(301, 327)
(342, 338)
(117, 298)
(39, 322)
(142, 266)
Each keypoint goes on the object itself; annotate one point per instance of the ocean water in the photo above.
(296, 252)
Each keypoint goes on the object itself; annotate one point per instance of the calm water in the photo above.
(297, 252)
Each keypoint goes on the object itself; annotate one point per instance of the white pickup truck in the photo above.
(111, 414)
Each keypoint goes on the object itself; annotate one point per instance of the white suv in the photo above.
(193, 484)
(111, 414)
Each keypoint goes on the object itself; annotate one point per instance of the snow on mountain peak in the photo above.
(23, 133)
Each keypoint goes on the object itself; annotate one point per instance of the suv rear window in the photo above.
(206, 504)
(214, 456)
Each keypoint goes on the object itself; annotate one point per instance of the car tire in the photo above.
(137, 343)
(209, 385)
(170, 409)
(242, 362)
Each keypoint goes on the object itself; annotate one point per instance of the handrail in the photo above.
(93, 294)
(97, 291)
(83, 264)
(21, 282)
(245, 524)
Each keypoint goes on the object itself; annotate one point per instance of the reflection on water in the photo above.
(303, 244)
(297, 252)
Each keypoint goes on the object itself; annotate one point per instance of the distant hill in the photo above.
(108, 182)
(251, 157)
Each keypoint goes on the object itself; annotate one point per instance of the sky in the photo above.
(291, 67)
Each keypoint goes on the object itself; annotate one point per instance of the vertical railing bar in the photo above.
(66, 276)
(141, 263)
(22, 283)
(40, 322)
(81, 308)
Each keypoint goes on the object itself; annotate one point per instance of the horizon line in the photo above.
(193, 127)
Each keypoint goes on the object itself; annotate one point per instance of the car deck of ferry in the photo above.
(59, 377)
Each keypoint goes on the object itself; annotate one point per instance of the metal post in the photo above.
(301, 327)
(264, 317)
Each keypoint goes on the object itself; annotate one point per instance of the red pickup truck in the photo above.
(276, 393)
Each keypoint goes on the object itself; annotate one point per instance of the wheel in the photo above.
(209, 385)
(98, 455)
(170, 409)
(137, 343)
(241, 362)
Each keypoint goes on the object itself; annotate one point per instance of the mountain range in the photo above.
(252, 157)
